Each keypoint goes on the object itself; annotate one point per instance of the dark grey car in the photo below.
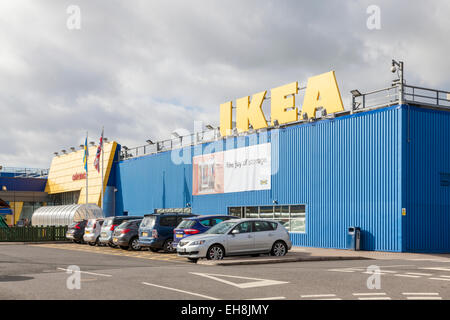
(126, 235)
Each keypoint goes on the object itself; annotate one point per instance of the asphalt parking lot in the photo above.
(40, 272)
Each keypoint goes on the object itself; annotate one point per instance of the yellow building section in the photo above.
(16, 208)
(67, 173)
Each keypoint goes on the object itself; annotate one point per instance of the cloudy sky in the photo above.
(145, 68)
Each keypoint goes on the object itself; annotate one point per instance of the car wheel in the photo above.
(255, 255)
(168, 246)
(153, 249)
(135, 246)
(92, 243)
(124, 247)
(194, 260)
(112, 245)
(279, 249)
(215, 252)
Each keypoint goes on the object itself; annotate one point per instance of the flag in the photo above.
(99, 152)
(86, 154)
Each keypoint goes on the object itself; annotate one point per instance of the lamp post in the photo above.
(398, 66)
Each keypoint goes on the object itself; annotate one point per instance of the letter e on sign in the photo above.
(282, 99)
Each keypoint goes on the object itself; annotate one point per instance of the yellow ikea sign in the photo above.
(321, 92)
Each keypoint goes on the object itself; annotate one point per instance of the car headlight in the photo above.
(197, 243)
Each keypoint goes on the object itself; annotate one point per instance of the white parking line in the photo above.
(370, 294)
(406, 275)
(443, 279)
(270, 298)
(438, 269)
(420, 293)
(424, 298)
(182, 291)
(92, 273)
(419, 274)
(374, 298)
(318, 295)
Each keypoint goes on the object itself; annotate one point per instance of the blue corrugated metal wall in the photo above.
(347, 171)
(427, 173)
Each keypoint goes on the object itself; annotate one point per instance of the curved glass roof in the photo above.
(65, 215)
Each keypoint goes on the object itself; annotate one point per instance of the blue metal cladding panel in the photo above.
(23, 184)
(427, 177)
(347, 171)
(151, 182)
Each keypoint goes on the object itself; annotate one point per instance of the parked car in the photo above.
(127, 235)
(196, 225)
(237, 237)
(108, 227)
(92, 231)
(156, 230)
(75, 231)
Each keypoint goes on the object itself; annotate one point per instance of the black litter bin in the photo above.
(354, 238)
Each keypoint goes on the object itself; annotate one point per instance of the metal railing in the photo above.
(23, 172)
(171, 144)
(397, 93)
(426, 96)
(33, 234)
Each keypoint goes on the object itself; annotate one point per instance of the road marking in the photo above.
(270, 298)
(253, 284)
(374, 298)
(421, 293)
(424, 298)
(317, 295)
(115, 252)
(406, 276)
(434, 260)
(438, 269)
(443, 276)
(370, 294)
(92, 273)
(443, 279)
(182, 291)
(419, 274)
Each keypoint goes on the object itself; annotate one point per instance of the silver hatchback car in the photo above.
(237, 237)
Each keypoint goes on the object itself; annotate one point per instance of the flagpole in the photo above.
(87, 157)
(103, 146)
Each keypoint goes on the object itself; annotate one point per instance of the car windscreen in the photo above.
(222, 227)
(148, 222)
(90, 223)
(107, 223)
(186, 224)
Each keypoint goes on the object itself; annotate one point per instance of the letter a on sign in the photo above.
(322, 91)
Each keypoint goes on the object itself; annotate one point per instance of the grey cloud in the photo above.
(145, 68)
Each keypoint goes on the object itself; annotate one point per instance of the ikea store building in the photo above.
(382, 166)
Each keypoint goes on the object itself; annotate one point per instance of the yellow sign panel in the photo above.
(322, 92)
(67, 173)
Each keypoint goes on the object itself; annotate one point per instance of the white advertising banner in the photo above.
(237, 170)
(247, 169)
